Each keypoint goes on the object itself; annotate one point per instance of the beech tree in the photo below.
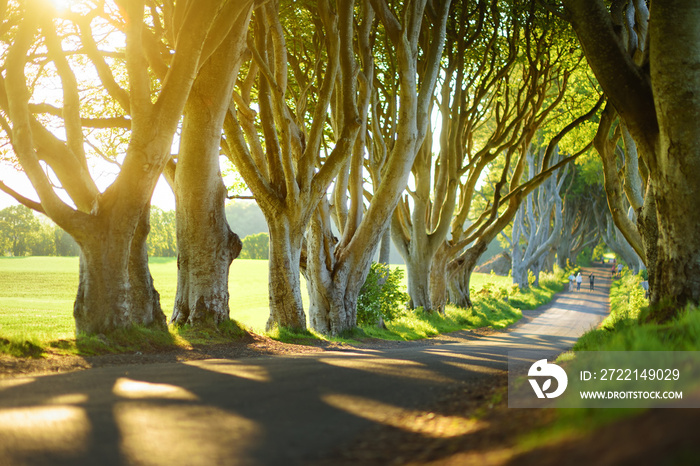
(614, 239)
(579, 227)
(481, 51)
(282, 165)
(623, 181)
(519, 104)
(206, 244)
(115, 287)
(336, 269)
(534, 233)
(653, 85)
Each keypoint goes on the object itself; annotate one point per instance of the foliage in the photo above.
(24, 233)
(382, 295)
(599, 251)
(161, 240)
(624, 329)
(584, 259)
(256, 247)
(626, 300)
(532, 297)
(571, 269)
(413, 325)
(495, 305)
(18, 230)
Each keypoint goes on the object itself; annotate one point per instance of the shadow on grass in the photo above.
(146, 339)
(21, 348)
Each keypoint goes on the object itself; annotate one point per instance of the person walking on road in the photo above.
(572, 278)
(579, 279)
(591, 280)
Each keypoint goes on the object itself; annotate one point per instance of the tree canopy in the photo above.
(436, 123)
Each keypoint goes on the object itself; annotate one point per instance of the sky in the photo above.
(163, 196)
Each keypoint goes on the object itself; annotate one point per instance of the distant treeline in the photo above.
(24, 233)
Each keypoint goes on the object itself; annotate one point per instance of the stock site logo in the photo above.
(542, 369)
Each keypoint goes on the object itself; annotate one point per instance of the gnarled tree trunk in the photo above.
(334, 287)
(438, 279)
(459, 272)
(115, 288)
(206, 248)
(286, 308)
(533, 223)
(206, 244)
(659, 100)
(675, 79)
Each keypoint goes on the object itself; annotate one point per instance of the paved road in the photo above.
(272, 410)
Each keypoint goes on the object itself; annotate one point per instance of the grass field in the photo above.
(37, 294)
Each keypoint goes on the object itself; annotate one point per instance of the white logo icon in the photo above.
(542, 369)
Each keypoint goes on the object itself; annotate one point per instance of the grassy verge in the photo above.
(496, 304)
(37, 293)
(134, 339)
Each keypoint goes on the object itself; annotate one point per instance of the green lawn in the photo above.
(37, 293)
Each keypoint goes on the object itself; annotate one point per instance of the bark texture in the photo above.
(286, 308)
(206, 244)
(675, 77)
(657, 95)
(115, 289)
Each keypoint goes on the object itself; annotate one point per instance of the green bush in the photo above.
(381, 296)
(256, 247)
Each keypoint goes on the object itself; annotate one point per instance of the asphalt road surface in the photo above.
(268, 410)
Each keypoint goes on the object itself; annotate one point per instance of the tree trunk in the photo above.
(147, 310)
(438, 280)
(647, 223)
(675, 78)
(206, 248)
(333, 302)
(459, 274)
(206, 245)
(286, 308)
(385, 247)
(115, 288)
(660, 111)
(519, 267)
(333, 292)
(419, 266)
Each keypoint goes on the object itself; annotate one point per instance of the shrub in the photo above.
(256, 247)
(381, 296)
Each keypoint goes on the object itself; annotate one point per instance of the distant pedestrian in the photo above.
(572, 278)
(619, 270)
(591, 280)
(579, 279)
(614, 268)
